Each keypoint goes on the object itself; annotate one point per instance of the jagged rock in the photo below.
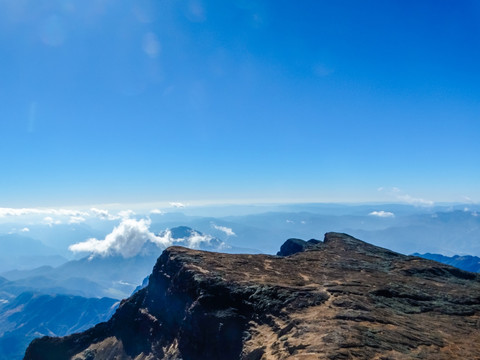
(340, 299)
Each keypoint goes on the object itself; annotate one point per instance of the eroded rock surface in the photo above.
(339, 299)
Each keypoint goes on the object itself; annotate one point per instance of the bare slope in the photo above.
(340, 299)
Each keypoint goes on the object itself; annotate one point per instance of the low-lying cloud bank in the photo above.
(383, 214)
(52, 217)
(130, 236)
(4, 212)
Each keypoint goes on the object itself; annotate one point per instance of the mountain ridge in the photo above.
(341, 298)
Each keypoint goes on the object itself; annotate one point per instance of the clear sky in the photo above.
(121, 101)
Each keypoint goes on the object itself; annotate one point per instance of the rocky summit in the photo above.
(337, 299)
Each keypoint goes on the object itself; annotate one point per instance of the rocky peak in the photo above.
(337, 299)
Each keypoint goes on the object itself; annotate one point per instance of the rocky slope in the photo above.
(339, 299)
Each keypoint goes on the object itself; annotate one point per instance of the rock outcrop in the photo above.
(293, 246)
(340, 299)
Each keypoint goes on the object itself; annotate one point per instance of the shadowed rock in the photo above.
(337, 299)
(293, 246)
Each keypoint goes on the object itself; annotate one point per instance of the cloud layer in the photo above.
(64, 216)
(4, 212)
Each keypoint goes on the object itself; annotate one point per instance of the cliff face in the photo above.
(339, 299)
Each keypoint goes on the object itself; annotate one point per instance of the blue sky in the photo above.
(105, 101)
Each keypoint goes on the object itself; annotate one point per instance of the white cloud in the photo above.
(51, 221)
(196, 240)
(156, 211)
(289, 221)
(177, 204)
(228, 231)
(25, 229)
(76, 220)
(383, 214)
(128, 238)
(4, 212)
(103, 214)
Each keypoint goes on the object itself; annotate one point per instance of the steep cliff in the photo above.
(339, 299)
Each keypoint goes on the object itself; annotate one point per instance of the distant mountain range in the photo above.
(465, 262)
(22, 252)
(402, 228)
(31, 315)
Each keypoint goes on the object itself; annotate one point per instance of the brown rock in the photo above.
(339, 299)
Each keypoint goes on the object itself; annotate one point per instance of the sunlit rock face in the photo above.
(337, 299)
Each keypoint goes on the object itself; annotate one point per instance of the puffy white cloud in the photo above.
(177, 204)
(25, 229)
(228, 231)
(383, 214)
(196, 240)
(156, 211)
(126, 239)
